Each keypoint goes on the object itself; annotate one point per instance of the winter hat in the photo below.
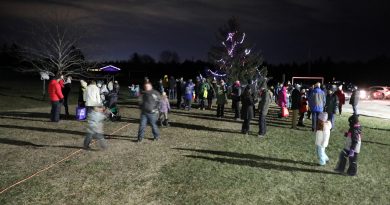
(164, 94)
(323, 116)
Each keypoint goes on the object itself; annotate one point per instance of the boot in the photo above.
(160, 122)
(166, 122)
(352, 169)
(342, 161)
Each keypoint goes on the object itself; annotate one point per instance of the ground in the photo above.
(199, 160)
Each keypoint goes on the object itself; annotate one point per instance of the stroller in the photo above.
(112, 109)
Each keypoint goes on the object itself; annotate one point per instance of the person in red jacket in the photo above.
(56, 98)
(341, 96)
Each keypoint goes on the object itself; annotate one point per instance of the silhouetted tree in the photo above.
(169, 57)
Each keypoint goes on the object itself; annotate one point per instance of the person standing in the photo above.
(172, 88)
(247, 109)
(221, 98)
(282, 98)
(341, 96)
(236, 98)
(211, 95)
(331, 105)
(303, 108)
(317, 104)
(204, 88)
(66, 91)
(56, 98)
(82, 93)
(265, 100)
(322, 137)
(179, 91)
(354, 100)
(164, 108)
(295, 102)
(189, 94)
(149, 105)
(93, 96)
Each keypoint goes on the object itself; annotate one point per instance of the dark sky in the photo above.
(284, 30)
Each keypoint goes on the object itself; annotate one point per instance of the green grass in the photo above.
(200, 160)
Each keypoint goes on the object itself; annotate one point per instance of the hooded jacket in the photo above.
(55, 91)
(317, 100)
(93, 96)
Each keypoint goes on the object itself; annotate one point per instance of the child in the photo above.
(164, 109)
(322, 137)
(303, 108)
(95, 128)
(352, 147)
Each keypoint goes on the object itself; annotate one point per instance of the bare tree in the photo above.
(52, 48)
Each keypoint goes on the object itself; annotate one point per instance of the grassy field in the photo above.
(200, 160)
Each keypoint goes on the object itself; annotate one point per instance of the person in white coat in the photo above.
(322, 137)
(93, 95)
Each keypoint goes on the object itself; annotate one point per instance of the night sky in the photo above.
(284, 30)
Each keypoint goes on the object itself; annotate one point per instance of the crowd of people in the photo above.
(318, 103)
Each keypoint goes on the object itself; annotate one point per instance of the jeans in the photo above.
(152, 119)
(236, 107)
(262, 124)
(220, 110)
(314, 119)
(98, 136)
(294, 118)
(354, 108)
(172, 93)
(332, 118)
(55, 111)
(246, 126)
(188, 103)
(322, 157)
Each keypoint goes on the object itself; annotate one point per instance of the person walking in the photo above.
(66, 91)
(341, 96)
(295, 102)
(265, 100)
(189, 94)
(331, 106)
(56, 98)
(149, 105)
(236, 98)
(93, 96)
(354, 100)
(247, 109)
(221, 98)
(317, 102)
(164, 108)
(95, 128)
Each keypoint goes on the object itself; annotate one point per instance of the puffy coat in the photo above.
(265, 99)
(189, 91)
(55, 91)
(317, 100)
(322, 136)
(340, 94)
(164, 105)
(93, 96)
(282, 97)
(295, 99)
(150, 101)
(332, 103)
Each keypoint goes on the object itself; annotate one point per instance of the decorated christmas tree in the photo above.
(234, 58)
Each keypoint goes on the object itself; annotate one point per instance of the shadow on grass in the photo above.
(247, 156)
(201, 127)
(33, 98)
(30, 144)
(15, 115)
(42, 129)
(372, 142)
(373, 128)
(262, 165)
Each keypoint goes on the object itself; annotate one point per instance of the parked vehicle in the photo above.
(379, 92)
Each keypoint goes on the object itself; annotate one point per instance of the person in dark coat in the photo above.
(341, 96)
(331, 105)
(236, 97)
(295, 102)
(179, 91)
(66, 91)
(354, 100)
(211, 94)
(247, 109)
(264, 102)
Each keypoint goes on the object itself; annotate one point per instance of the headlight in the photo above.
(363, 94)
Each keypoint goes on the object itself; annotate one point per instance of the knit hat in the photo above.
(164, 94)
(323, 116)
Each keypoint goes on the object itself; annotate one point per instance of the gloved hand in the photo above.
(351, 153)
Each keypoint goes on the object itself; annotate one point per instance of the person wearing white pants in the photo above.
(322, 137)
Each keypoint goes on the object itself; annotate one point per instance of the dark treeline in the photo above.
(364, 73)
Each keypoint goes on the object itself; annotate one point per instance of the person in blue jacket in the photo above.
(317, 102)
